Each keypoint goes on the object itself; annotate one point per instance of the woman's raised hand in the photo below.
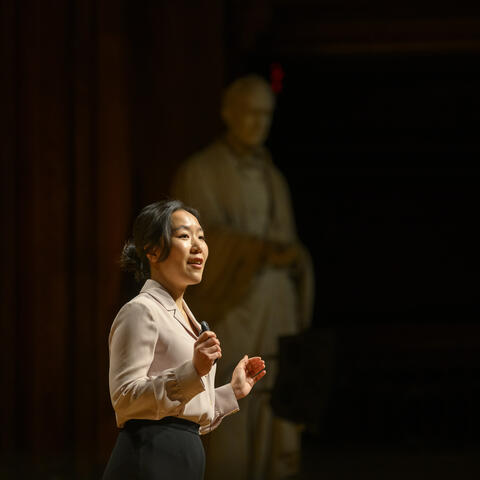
(205, 351)
(246, 374)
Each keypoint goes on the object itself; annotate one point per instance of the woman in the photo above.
(162, 367)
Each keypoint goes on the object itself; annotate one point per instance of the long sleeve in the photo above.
(135, 393)
(225, 404)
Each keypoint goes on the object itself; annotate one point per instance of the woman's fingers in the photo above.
(212, 350)
(207, 341)
(205, 336)
(206, 350)
(257, 373)
(255, 363)
(260, 375)
(210, 343)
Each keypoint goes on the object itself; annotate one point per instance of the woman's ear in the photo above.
(153, 254)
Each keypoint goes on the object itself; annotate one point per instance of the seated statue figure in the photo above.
(259, 281)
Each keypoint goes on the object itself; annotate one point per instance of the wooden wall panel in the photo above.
(310, 28)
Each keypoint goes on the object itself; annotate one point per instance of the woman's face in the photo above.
(188, 254)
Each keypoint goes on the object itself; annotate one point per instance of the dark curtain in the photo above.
(66, 199)
(98, 109)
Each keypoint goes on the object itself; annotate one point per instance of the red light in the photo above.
(276, 77)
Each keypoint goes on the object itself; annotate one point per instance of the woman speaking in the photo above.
(162, 362)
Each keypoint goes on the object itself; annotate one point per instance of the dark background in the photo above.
(376, 130)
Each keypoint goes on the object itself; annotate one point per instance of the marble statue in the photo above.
(259, 281)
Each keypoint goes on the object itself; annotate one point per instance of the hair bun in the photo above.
(131, 262)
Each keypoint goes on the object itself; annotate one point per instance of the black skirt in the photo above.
(164, 449)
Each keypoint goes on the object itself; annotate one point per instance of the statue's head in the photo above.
(247, 108)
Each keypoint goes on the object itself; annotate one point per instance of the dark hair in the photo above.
(152, 227)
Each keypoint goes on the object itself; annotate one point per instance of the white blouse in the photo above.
(151, 372)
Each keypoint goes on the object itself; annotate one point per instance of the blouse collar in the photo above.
(159, 293)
